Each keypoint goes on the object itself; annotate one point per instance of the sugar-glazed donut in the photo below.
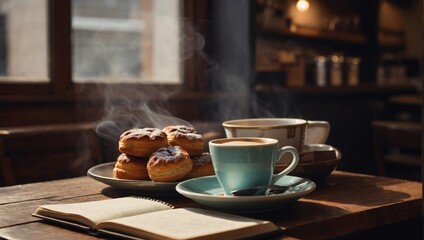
(169, 164)
(142, 142)
(202, 166)
(130, 167)
(186, 137)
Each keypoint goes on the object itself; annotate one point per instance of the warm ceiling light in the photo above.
(302, 5)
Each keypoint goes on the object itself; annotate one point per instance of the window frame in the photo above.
(60, 58)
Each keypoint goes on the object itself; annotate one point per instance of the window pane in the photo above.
(23, 41)
(126, 41)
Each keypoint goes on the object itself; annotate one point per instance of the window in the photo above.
(126, 41)
(49, 47)
(23, 41)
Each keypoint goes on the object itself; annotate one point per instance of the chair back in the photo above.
(41, 153)
(397, 142)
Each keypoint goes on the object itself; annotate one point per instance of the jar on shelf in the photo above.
(353, 64)
(321, 71)
(336, 72)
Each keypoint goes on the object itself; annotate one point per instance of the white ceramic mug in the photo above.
(288, 131)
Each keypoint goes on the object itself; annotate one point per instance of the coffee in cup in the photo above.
(248, 162)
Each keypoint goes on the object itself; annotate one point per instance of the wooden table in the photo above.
(345, 204)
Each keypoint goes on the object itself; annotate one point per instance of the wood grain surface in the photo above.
(344, 204)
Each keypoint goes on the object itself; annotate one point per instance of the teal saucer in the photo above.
(208, 192)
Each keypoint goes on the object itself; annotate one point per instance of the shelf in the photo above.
(313, 33)
(391, 39)
(363, 89)
(269, 68)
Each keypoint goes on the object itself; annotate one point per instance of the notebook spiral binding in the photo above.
(155, 200)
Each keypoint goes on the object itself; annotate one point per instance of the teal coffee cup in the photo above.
(246, 162)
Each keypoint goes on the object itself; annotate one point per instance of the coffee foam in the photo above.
(243, 142)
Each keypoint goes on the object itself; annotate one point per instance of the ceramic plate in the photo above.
(208, 192)
(103, 173)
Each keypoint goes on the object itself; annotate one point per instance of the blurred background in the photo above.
(75, 74)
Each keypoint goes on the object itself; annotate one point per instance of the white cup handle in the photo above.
(293, 164)
(317, 132)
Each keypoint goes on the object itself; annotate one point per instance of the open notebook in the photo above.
(136, 218)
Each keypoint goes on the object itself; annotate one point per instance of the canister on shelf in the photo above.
(336, 70)
(353, 71)
(321, 71)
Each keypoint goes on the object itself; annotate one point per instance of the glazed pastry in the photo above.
(130, 167)
(185, 137)
(202, 166)
(142, 142)
(169, 164)
(178, 128)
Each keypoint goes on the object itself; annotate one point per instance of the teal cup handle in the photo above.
(293, 164)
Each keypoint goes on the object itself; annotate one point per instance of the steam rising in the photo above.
(127, 107)
(124, 112)
(230, 70)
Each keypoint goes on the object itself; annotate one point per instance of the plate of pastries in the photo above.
(154, 160)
